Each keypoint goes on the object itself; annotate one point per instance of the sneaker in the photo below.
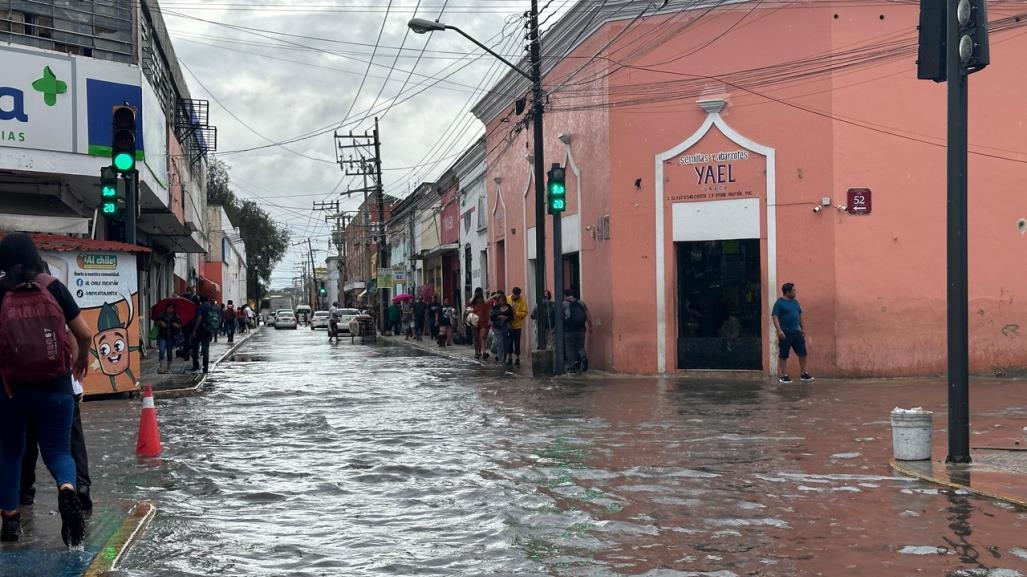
(785, 380)
(73, 526)
(84, 499)
(806, 377)
(11, 529)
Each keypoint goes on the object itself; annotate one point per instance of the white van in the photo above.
(304, 314)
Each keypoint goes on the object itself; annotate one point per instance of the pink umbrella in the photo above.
(402, 297)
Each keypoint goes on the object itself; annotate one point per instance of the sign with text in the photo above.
(105, 286)
(36, 104)
(858, 201)
(717, 173)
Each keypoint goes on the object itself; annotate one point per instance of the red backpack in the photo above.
(34, 341)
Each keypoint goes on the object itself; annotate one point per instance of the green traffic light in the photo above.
(559, 204)
(557, 188)
(109, 192)
(124, 161)
(110, 207)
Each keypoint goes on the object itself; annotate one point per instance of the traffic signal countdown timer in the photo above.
(556, 185)
(123, 139)
(109, 192)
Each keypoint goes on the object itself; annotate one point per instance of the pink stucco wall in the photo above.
(872, 287)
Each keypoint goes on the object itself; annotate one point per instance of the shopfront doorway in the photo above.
(720, 317)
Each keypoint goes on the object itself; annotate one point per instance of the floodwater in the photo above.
(310, 459)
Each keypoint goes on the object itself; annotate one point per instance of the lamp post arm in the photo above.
(490, 51)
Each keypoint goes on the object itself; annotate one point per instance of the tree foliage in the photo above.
(266, 241)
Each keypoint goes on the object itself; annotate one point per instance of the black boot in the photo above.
(11, 529)
(73, 526)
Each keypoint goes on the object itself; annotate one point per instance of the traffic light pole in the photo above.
(958, 307)
(131, 205)
(540, 186)
(380, 236)
(558, 341)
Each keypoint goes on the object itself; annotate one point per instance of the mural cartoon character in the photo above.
(111, 345)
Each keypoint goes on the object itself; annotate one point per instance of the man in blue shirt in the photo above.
(790, 333)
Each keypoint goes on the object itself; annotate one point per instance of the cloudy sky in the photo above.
(275, 70)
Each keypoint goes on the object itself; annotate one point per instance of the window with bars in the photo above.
(99, 28)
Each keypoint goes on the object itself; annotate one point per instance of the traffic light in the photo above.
(322, 291)
(974, 54)
(109, 192)
(557, 188)
(123, 139)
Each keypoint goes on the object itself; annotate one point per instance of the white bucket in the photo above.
(911, 432)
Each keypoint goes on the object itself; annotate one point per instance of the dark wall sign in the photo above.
(859, 201)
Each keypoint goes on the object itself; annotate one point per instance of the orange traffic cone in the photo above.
(149, 434)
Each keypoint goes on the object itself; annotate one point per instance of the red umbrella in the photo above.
(185, 308)
(402, 297)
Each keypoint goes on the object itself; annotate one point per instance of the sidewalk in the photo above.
(997, 472)
(460, 353)
(181, 380)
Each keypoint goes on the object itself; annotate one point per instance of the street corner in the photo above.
(110, 530)
(998, 475)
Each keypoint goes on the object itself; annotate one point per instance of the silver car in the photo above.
(285, 320)
(320, 320)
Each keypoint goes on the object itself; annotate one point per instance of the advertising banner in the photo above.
(105, 286)
(36, 104)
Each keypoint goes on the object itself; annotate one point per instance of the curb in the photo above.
(441, 353)
(198, 388)
(948, 483)
(116, 547)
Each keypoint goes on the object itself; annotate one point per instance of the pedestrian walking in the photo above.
(479, 329)
(433, 317)
(420, 315)
(520, 312)
(78, 453)
(407, 319)
(446, 320)
(229, 320)
(207, 320)
(168, 326)
(221, 321)
(791, 333)
(576, 323)
(241, 318)
(36, 314)
(395, 316)
(550, 308)
(501, 316)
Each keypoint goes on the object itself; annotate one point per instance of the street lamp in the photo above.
(422, 26)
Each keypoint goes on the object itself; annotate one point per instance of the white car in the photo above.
(285, 320)
(320, 320)
(345, 317)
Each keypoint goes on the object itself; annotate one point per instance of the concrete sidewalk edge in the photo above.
(116, 547)
(911, 471)
(188, 391)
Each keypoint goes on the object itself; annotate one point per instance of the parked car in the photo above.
(320, 320)
(345, 317)
(285, 320)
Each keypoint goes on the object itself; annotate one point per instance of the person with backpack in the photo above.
(208, 318)
(229, 320)
(37, 361)
(168, 326)
(576, 323)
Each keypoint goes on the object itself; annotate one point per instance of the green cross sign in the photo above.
(50, 86)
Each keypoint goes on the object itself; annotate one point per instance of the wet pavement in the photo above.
(308, 459)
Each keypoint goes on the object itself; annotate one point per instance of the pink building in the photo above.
(699, 144)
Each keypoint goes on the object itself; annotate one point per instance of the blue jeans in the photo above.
(52, 414)
(166, 348)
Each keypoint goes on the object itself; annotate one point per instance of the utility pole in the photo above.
(540, 187)
(367, 162)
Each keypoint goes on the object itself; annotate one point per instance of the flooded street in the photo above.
(306, 459)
